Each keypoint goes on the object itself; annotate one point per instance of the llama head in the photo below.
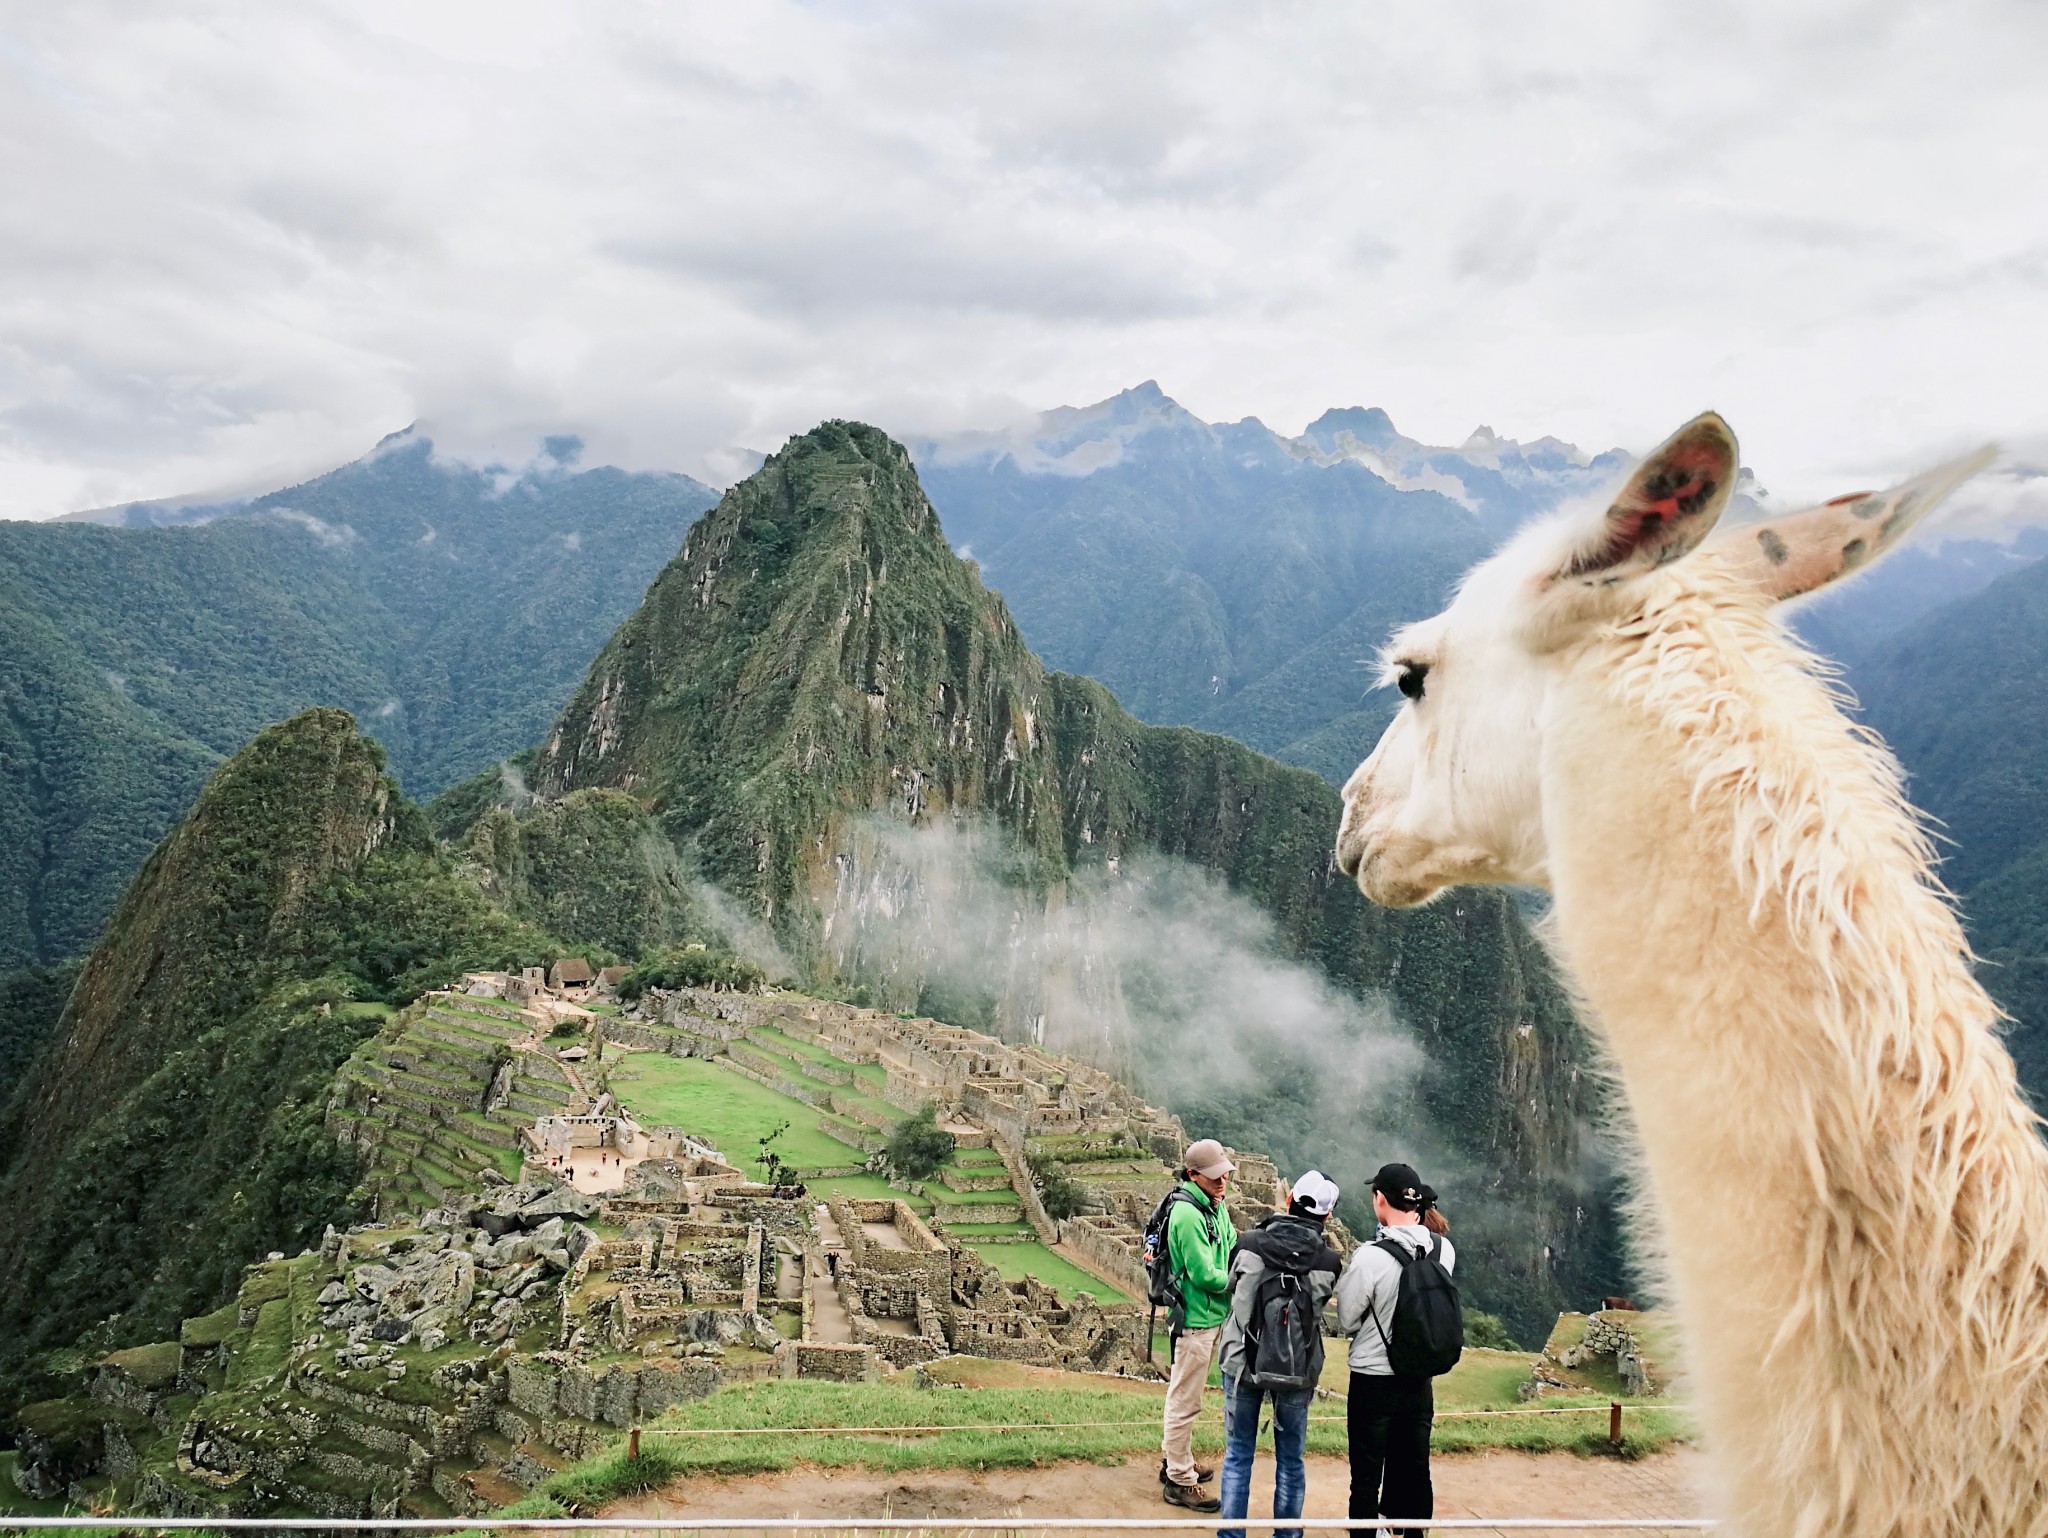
(1452, 793)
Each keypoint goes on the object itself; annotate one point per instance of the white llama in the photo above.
(1850, 1195)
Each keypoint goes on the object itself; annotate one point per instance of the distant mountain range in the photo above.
(450, 608)
(1221, 575)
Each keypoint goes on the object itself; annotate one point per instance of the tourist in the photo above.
(1199, 1238)
(1389, 1415)
(1281, 1275)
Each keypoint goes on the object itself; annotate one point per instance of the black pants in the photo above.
(1388, 1420)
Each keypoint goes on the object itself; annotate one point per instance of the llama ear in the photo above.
(1668, 506)
(1803, 551)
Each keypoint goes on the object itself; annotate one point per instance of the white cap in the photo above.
(1317, 1192)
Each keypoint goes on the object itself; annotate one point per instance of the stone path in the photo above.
(830, 1324)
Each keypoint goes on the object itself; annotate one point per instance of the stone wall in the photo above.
(837, 1364)
(1107, 1244)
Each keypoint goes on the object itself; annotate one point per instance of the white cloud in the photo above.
(239, 243)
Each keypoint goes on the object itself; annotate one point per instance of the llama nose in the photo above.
(1350, 848)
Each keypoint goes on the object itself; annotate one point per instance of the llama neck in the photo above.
(1744, 903)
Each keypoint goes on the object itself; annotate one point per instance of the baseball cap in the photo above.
(1403, 1188)
(1207, 1157)
(1317, 1193)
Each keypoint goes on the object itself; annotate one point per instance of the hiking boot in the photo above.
(1203, 1473)
(1192, 1498)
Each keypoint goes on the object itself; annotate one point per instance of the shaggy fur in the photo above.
(1850, 1193)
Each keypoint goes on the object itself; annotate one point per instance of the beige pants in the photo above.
(1192, 1355)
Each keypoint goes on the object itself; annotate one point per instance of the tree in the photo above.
(1487, 1332)
(919, 1145)
(772, 1164)
(1058, 1192)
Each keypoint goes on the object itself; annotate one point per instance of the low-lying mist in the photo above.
(1147, 966)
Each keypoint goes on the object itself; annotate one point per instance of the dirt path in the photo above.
(1489, 1484)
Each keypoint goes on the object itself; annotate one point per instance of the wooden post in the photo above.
(633, 1441)
(1613, 1424)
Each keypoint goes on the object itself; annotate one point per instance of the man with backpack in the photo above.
(1281, 1275)
(1188, 1244)
(1397, 1302)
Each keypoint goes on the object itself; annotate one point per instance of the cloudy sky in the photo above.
(240, 243)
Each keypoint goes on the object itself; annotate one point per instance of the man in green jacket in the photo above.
(1199, 1239)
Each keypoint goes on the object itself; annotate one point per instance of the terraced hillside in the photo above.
(436, 1100)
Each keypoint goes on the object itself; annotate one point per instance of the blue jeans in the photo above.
(1240, 1442)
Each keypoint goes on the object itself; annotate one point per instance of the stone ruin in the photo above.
(1613, 1348)
(496, 1322)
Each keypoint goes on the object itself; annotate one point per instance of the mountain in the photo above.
(835, 727)
(171, 1126)
(450, 607)
(1224, 576)
(1220, 575)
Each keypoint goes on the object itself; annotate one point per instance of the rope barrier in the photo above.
(853, 1524)
(1147, 1421)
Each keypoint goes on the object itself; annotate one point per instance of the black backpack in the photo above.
(1283, 1345)
(1161, 1285)
(1428, 1335)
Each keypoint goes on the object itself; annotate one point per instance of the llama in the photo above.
(1848, 1193)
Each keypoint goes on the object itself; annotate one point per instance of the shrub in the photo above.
(919, 1145)
(693, 967)
(1058, 1192)
(1487, 1332)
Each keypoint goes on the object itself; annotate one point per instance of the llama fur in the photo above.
(1849, 1194)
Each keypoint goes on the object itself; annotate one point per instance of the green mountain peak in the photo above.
(814, 650)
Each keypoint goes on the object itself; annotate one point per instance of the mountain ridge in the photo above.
(449, 610)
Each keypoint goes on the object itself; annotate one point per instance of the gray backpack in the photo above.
(1284, 1341)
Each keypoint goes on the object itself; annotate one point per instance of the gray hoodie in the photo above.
(1367, 1290)
(1297, 1241)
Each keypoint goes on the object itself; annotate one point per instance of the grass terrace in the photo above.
(726, 1109)
(1013, 1262)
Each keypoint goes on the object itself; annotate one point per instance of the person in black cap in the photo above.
(1388, 1416)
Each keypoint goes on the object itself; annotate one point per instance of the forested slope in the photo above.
(450, 608)
(171, 1128)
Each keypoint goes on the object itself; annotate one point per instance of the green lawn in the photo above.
(724, 1108)
(1014, 1261)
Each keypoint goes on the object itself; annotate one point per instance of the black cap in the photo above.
(1403, 1188)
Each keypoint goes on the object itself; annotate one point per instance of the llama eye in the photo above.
(1410, 681)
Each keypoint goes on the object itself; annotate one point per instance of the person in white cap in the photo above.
(1281, 1275)
(1199, 1237)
